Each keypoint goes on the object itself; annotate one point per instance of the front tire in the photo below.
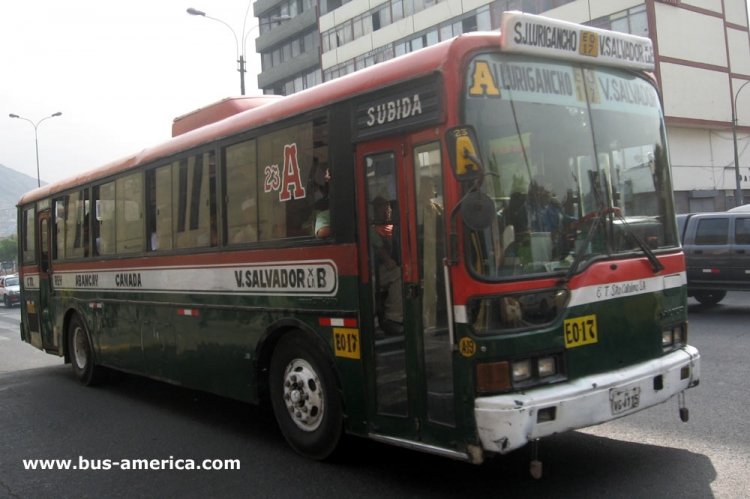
(81, 353)
(305, 396)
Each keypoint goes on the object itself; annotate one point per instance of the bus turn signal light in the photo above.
(493, 377)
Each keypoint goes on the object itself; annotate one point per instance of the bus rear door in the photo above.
(38, 287)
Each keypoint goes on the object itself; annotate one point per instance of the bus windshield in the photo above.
(575, 161)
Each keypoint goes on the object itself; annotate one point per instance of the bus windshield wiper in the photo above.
(597, 217)
(656, 265)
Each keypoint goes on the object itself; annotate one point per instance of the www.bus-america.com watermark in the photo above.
(171, 463)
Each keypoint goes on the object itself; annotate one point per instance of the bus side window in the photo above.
(58, 243)
(29, 235)
(291, 161)
(194, 201)
(241, 193)
(44, 245)
(104, 223)
(129, 214)
(159, 208)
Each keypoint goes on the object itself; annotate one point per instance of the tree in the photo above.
(8, 249)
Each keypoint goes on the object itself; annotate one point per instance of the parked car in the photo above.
(10, 291)
(717, 253)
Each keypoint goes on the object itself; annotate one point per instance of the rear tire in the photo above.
(81, 353)
(305, 396)
(711, 297)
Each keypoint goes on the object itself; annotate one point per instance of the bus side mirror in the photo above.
(462, 150)
(478, 210)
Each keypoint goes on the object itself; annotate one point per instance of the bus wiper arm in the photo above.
(597, 217)
(578, 258)
(656, 265)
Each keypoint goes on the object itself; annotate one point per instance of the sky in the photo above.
(119, 72)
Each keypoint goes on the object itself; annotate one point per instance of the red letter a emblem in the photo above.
(291, 185)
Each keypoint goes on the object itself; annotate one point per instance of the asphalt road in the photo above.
(46, 414)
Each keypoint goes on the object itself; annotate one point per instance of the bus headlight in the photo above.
(666, 338)
(521, 370)
(503, 376)
(547, 367)
(674, 336)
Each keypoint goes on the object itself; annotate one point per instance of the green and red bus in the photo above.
(460, 251)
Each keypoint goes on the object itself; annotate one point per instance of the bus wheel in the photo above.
(81, 353)
(305, 397)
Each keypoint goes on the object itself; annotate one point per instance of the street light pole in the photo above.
(240, 48)
(738, 200)
(36, 138)
(240, 55)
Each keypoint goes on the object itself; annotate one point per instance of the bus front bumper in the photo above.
(507, 422)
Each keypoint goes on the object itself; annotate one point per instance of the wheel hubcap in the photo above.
(80, 350)
(303, 395)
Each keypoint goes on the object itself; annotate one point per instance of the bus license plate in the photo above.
(624, 400)
(580, 331)
(346, 342)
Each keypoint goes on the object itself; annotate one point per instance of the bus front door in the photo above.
(405, 335)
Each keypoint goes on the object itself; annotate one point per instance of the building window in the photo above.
(373, 20)
(397, 10)
(281, 13)
(633, 21)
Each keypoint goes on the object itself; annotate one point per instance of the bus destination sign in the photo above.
(536, 35)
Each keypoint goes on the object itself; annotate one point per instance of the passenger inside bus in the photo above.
(385, 250)
(247, 232)
(321, 205)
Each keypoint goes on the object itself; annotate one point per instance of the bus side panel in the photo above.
(118, 335)
(208, 340)
(214, 349)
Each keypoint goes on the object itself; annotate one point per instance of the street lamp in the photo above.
(36, 138)
(240, 48)
(738, 201)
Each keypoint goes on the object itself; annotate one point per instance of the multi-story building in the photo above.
(702, 51)
(289, 45)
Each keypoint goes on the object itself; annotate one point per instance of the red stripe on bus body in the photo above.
(337, 322)
(605, 272)
(188, 312)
